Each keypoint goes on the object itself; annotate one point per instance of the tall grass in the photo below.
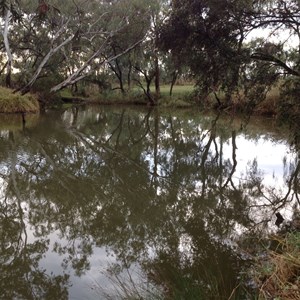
(16, 103)
(164, 282)
(126, 284)
(278, 277)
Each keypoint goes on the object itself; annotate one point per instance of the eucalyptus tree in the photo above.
(100, 40)
(9, 11)
(67, 40)
(148, 66)
(138, 22)
(212, 36)
(40, 38)
(143, 63)
(208, 35)
(279, 53)
(281, 18)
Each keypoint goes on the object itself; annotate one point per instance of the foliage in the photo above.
(201, 34)
(210, 37)
(13, 6)
(125, 44)
(289, 107)
(69, 39)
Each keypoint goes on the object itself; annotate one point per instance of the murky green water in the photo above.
(100, 201)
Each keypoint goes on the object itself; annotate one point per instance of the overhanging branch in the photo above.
(77, 76)
(270, 58)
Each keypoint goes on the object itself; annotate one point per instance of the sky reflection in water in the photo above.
(165, 194)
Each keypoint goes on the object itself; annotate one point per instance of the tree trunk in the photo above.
(129, 76)
(119, 75)
(157, 78)
(121, 83)
(118, 72)
(52, 51)
(8, 76)
(77, 76)
(7, 48)
(174, 78)
(148, 91)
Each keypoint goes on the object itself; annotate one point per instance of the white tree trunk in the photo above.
(5, 32)
(52, 51)
(76, 76)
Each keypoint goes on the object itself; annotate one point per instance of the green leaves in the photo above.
(13, 6)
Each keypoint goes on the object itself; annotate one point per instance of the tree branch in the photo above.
(52, 51)
(267, 57)
(75, 77)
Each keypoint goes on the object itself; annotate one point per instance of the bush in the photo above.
(16, 103)
(289, 107)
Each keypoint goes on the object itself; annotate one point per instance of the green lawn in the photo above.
(177, 90)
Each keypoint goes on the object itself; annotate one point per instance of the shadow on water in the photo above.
(178, 202)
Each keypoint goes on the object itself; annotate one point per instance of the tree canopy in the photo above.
(223, 46)
(213, 38)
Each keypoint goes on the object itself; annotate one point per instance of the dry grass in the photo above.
(16, 103)
(279, 276)
(240, 103)
(270, 105)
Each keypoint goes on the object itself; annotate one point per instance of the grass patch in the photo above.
(179, 98)
(278, 277)
(178, 90)
(270, 105)
(116, 97)
(66, 93)
(240, 103)
(16, 103)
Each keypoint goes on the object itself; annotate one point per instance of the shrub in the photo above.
(16, 103)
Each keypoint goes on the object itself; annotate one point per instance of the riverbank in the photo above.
(16, 103)
(285, 110)
(278, 273)
(183, 96)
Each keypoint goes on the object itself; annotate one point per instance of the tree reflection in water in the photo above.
(157, 190)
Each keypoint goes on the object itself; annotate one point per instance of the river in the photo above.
(130, 203)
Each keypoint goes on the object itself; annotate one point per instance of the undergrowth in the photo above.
(278, 276)
(16, 103)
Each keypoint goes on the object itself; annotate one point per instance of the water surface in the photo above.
(98, 202)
